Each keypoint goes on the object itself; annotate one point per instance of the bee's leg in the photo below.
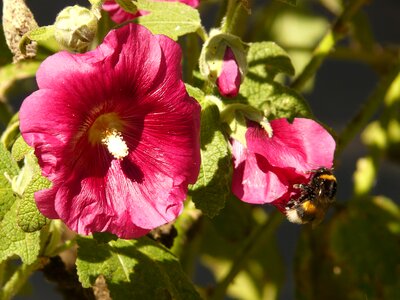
(295, 201)
(300, 186)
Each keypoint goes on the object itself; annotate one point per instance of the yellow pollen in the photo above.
(115, 143)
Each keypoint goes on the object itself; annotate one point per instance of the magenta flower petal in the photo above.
(147, 56)
(303, 145)
(229, 80)
(267, 169)
(252, 182)
(192, 3)
(116, 132)
(118, 15)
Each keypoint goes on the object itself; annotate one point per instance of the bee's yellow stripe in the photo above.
(328, 177)
(309, 207)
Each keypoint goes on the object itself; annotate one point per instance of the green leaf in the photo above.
(275, 99)
(212, 188)
(28, 216)
(268, 59)
(172, 19)
(133, 269)
(20, 149)
(38, 34)
(41, 33)
(261, 91)
(104, 237)
(127, 5)
(7, 164)
(14, 241)
(8, 169)
(30, 180)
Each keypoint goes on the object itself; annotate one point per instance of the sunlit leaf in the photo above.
(127, 5)
(14, 241)
(133, 269)
(172, 19)
(212, 188)
(29, 218)
(8, 169)
(268, 59)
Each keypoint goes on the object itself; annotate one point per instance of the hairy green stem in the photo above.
(202, 33)
(232, 17)
(226, 21)
(223, 5)
(381, 58)
(327, 43)
(19, 278)
(367, 110)
(250, 246)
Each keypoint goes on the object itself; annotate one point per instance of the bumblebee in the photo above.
(315, 198)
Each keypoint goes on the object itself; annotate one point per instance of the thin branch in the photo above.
(327, 44)
(366, 112)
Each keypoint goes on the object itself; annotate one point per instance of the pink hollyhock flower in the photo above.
(266, 170)
(229, 80)
(118, 15)
(116, 132)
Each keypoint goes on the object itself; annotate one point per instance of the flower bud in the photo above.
(229, 79)
(223, 61)
(75, 28)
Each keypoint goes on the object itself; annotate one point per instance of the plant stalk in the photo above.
(326, 45)
(360, 120)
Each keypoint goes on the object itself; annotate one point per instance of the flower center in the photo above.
(115, 144)
(107, 130)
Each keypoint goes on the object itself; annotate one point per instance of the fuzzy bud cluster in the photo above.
(75, 28)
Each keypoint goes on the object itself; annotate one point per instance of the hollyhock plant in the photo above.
(275, 160)
(118, 15)
(116, 133)
(229, 79)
